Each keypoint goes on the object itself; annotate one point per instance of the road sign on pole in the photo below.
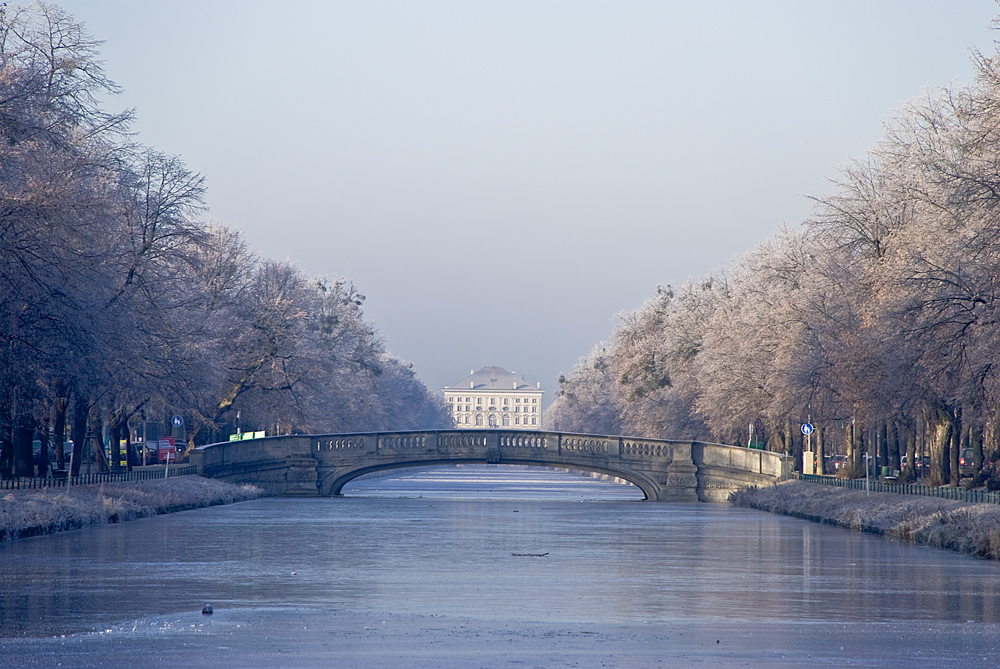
(178, 421)
(808, 466)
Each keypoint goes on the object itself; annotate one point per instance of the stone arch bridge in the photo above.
(665, 471)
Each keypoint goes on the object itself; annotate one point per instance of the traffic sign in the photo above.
(807, 428)
(178, 421)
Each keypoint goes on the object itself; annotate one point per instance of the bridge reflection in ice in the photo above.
(485, 482)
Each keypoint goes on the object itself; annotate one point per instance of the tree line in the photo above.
(120, 300)
(877, 320)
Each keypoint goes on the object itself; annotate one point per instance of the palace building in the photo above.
(494, 397)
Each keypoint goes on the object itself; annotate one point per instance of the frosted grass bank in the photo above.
(27, 513)
(970, 529)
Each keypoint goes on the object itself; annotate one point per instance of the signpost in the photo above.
(808, 462)
(756, 440)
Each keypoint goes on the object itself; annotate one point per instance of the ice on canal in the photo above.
(489, 567)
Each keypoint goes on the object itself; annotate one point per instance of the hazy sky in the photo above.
(502, 178)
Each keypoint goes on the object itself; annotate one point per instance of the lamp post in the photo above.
(868, 484)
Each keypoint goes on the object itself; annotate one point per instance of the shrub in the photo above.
(851, 471)
(980, 478)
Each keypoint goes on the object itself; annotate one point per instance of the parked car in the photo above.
(922, 464)
(152, 454)
(837, 463)
(966, 463)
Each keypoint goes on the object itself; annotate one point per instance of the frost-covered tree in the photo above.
(119, 300)
(877, 321)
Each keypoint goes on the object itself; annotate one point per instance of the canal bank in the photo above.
(27, 513)
(965, 527)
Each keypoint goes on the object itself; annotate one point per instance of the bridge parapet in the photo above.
(322, 464)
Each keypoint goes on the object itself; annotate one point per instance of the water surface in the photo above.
(458, 545)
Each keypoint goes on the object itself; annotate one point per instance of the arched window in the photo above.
(479, 419)
(506, 420)
(493, 420)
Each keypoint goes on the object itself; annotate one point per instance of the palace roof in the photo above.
(493, 378)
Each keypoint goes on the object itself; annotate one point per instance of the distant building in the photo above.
(494, 397)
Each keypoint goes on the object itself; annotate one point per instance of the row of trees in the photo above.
(119, 300)
(878, 320)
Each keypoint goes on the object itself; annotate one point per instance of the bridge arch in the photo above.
(336, 486)
(664, 470)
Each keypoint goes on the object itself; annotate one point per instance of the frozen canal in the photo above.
(474, 568)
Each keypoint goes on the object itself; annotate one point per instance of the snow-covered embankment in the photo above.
(26, 513)
(971, 529)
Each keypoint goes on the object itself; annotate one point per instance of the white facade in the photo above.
(495, 398)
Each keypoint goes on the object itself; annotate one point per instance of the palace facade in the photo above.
(494, 397)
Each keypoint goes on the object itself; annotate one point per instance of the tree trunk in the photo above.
(6, 452)
(976, 444)
(118, 433)
(793, 446)
(882, 446)
(853, 447)
(100, 454)
(81, 416)
(942, 425)
(991, 437)
(59, 426)
(25, 455)
(894, 447)
(43, 459)
(820, 452)
(861, 440)
(955, 449)
(911, 456)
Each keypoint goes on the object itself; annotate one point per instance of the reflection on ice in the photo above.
(458, 482)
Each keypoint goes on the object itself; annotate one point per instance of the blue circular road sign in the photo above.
(807, 428)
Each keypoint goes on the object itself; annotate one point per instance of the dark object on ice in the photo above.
(529, 554)
(208, 610)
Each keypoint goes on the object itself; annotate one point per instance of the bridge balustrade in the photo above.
(517, 441)
(643, 449)
(584, 445)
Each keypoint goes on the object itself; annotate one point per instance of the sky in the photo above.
(503, 179)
